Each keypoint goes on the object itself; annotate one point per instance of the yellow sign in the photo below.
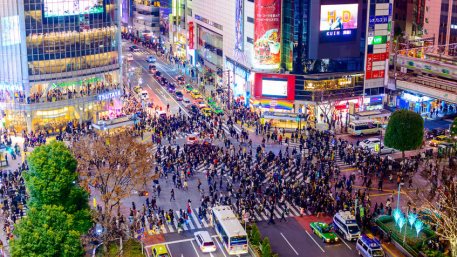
(377, 147)
(94, 202)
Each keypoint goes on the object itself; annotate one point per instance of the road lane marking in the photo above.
(169, 252)
(315, 241)
(222, 249)
(287, 241)
(195, 249)
(171, 242)
(161, 89)
(342, 240)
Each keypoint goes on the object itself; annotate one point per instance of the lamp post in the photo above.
(398, 197)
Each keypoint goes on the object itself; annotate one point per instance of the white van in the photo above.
(369, 247)
(204, 241)
(364, 127)
(345, 224)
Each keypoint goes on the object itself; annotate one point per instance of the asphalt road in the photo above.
(291, 239)
(184, 245)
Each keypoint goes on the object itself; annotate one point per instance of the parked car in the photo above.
(196, 95)
(159, 251)
(206, 111)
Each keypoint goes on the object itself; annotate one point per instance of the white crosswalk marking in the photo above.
(193, 217)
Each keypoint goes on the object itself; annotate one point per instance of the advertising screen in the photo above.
(267, 34)
(57, 8)
(338, 22)
(274, 87)
(239, 25)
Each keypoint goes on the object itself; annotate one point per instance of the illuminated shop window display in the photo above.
(57, 8)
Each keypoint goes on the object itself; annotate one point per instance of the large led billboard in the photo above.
(267, 34)
(58, 8)
(338, 22)
(274, 87)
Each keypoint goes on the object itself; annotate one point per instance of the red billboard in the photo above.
(274, 86)
(190, 42)
(267, 34)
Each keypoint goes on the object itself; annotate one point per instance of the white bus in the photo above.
(364, 127)
(229, 230)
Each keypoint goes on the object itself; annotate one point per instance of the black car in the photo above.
(134, 48)
(163, 81)
(434, 133)
(181, 80)
(193, 108)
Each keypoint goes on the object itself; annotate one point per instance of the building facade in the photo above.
(293, 56)
(62, 62)
(146, 18)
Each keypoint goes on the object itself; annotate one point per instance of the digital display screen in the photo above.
(274, 87)
(58, 8)
(338, 22)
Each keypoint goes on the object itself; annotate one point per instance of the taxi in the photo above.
(324, 231)
(206, 112)
(217, 110)
(200, 103)
(159, 251)
(137, 89)
(196, 95)
(188, 88)
(439, 140)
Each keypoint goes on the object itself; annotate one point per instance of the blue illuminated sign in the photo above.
(338, 35)
(379, 19)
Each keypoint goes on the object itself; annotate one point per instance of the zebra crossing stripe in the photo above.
(193, 217)
(163, 226)
(184, 226)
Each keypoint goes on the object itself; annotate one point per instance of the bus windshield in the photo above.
(353, 229)
(377, 253)
(238, 240)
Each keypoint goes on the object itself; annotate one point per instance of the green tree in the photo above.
(405, 131)
(52, 177)
(266, 247)
(255, 235)
(48, 231)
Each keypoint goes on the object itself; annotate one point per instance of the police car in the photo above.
(345, 224)
(369, 247)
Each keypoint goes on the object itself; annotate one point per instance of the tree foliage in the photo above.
(255, 236)
(51, 175)
(115, 166)
(405, 131)
(48, 231)
(59, 212)
(266, 247)
(442, 213)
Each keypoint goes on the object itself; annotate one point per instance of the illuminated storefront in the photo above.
(59, 59)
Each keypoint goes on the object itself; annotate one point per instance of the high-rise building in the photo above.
(294, 56)
(60, 62)
(440, 22)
